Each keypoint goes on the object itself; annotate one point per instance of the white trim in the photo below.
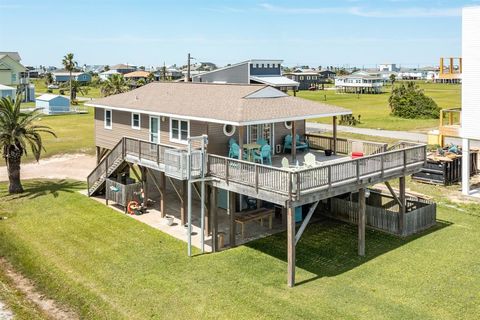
(150, 128)
(235, 123)
(179, 131)
(139, 121)
(105, 119)
(225, 131)
(289, 127)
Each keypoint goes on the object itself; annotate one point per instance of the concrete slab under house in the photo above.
(227, 163)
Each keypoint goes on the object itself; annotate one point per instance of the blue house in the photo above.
(64, 76)
(6, 91)
(53, 104)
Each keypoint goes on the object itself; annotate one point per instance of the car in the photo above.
(53, 86)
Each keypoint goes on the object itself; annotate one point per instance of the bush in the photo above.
(410, 102)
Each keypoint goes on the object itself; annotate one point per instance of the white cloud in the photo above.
(411, 12)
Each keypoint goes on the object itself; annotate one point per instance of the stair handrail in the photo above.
(101, 165)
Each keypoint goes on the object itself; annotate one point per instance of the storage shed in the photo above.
(53, 104)
(6, 91)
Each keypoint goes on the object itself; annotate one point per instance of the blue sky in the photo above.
(147, 32)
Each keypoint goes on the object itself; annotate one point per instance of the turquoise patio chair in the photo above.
(264, 154)
(262, 142)
(231, 141)
(235, 152)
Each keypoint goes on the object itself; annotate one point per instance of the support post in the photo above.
(403, 207)
(163, 193)
(466, 166)
(213, 216)
(291, 245)
(240, 140)
(143, 172)
(334, 135)
(361, 222)
(231, 212)
(209, 209)
(184, 201)
(294, 142)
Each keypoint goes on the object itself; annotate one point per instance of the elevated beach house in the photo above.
(218, 157)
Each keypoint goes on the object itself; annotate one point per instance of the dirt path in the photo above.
(67, 166)
(49, 306)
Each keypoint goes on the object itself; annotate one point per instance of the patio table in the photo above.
(251, 147)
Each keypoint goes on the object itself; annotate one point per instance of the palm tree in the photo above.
(141, 82)
(151, 77)
(18, 130)
(76, 87)
(70, 66)
(48, 78)
(114, 85)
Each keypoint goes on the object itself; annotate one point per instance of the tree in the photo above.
(392, 78)
(70, 65)
(151, 77)
(141, 82)
(48, 78)
(114, 85)
(75, 87)
(410, 102)
(18, 130)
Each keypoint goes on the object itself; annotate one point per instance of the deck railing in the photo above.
(344, 146)
(144, 150)
(295, 182)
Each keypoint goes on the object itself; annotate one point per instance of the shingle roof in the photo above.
(221, 103)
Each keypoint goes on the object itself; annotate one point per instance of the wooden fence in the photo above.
(344, 146)
(382, 213)
(120, 193)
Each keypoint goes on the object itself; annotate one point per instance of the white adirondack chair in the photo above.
(285, 163)
(310, 160)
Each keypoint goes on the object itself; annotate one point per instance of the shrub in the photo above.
(410, 102)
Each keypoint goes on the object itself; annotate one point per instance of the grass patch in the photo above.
(375, 111)
(107, 265)
(40, 88)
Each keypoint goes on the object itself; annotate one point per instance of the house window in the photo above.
(256, 65)
(268, 65)
(136, 121)
(263, 66)
(179, 130)
(14, 77)
(301, 77)
(229, 130)
(108, 119)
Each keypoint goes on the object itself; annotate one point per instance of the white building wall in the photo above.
(471, 73)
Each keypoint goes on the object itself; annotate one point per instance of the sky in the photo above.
(150, 33)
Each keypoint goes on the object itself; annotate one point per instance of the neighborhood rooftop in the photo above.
(236, 104)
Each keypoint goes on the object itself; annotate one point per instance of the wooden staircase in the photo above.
(109, 165)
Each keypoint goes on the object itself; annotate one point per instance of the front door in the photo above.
(155, 129)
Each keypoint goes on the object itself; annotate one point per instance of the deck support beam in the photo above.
(163, 193)
(231, 212)
(394, 195)
(306, 221)
(294, 142)
(361, 221)
(334, 149)
(184, 202)
(403, 206)
(241, 133)
(291, 244)
(213, 218)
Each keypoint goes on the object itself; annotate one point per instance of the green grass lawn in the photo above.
(40, 88)
(374, 109)
(107, 265)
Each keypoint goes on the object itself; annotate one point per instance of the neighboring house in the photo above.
(107, 74)
(450, 73)
(359, 82)
(412, 74)
(154, 133)
(123, 68)
(12, 72)
(389, 67)
(64, 76)
(256, 71)
(470, 129)
(53, 104)
(327, 74)
(307, 80)
(136, 75)
(6, 91)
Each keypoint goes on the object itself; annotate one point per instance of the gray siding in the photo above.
(281, 131)
(265, 71)
(122, 127)
(235, 74)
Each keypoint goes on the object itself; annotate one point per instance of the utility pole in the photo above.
(188, 68)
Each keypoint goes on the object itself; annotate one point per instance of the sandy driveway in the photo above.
(68, 166)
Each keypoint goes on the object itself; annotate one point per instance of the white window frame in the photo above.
(229, 134)
(139, 121)
(105, 119)
(289, 127)
(172, 139)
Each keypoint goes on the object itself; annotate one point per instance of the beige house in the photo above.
(245, 152)
(11, 70)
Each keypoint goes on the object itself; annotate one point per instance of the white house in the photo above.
(107, 74)
(53, 104)
(390, 67)
(359, 82)
(470, 129)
